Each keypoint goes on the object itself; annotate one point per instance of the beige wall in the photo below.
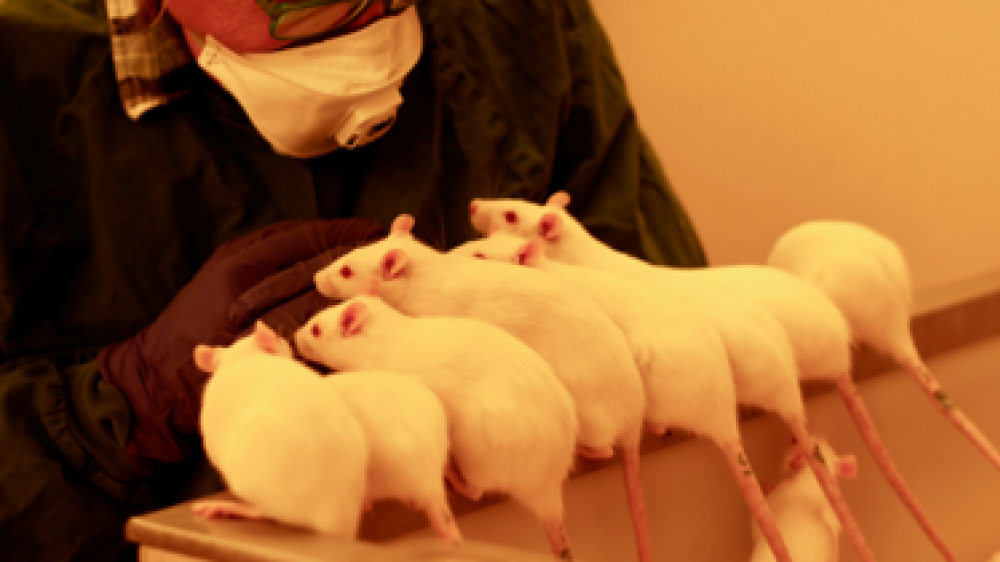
(766, 114)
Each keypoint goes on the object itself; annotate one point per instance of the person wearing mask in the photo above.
(170, 173)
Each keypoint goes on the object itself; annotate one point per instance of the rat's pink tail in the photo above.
(856, 407)
(443, 521)
(556, 531)
(636, 501)
(755, 499)
(932, 388)
(810, 450)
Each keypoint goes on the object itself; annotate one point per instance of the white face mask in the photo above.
(338, 93)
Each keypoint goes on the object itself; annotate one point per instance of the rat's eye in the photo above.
(510, 217)
(316, 331)
(346, 272)
(479, 255)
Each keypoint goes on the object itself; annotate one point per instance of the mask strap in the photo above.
(194, 36)
(159, 14)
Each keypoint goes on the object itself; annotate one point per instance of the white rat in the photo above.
(815, 328)
(284, 442)
(511, 424)
(806, 519)
(865, 275)
(407, 432)
(403, 421)
(587, 351)
(682, 360)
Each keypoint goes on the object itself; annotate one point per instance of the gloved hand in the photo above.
(266, 274)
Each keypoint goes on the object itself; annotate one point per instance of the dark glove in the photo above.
(266, 274)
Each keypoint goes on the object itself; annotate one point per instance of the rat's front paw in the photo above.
(226, 509)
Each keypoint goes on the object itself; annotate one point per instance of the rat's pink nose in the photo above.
(473, 207)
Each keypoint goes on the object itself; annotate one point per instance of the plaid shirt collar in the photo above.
(152, 60)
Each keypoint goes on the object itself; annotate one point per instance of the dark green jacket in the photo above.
(103, 219)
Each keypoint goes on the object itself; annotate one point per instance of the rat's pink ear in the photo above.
(558, 199)
(403, 224)
(266, 338)
(352, 319)
(550, 226)
(530, 252)
(206, 358)
(393, 263)
(846, 467)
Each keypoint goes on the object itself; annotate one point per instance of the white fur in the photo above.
(586, 349)
(511, 424)
(863, 273)
(806, 520)
(284, 441)
(816, 329)
(808, 523)
(681, 359)
(760, 355)
(407, 435)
